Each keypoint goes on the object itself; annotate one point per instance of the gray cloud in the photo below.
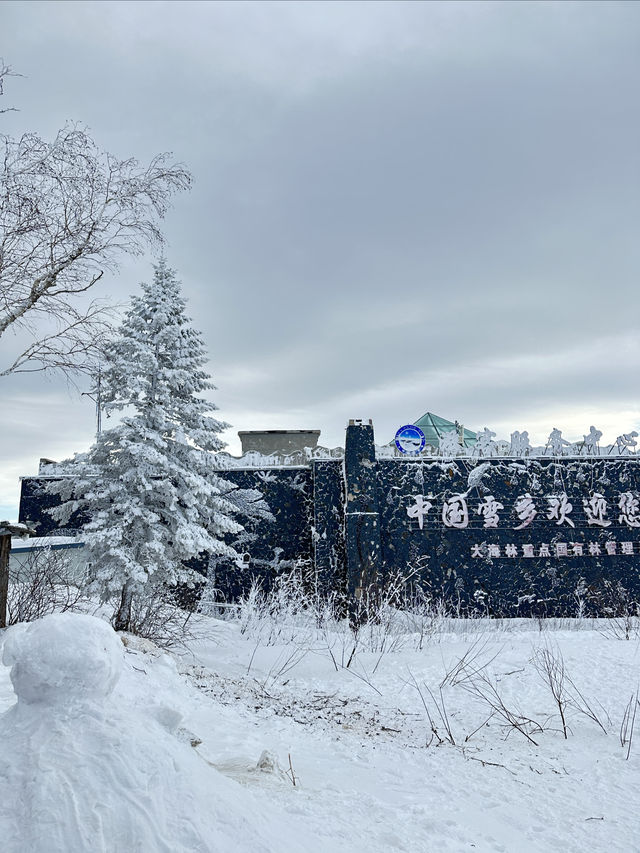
(398, 206)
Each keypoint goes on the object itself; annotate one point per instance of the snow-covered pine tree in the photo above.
(147, 486)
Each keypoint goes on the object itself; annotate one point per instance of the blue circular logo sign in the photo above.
(410, 439)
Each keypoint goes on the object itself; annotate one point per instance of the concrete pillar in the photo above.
(362, 519)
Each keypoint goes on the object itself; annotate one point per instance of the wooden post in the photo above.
(5, 549)
(7, 530)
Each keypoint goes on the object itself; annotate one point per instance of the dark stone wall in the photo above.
(273, 546)
(518, 567)
(352, 523)
(362, 518)
(34, 503)
(329, 557)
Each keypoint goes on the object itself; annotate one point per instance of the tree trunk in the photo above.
(122, 622)
(5, 548)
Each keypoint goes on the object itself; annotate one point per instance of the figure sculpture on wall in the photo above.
(591, 444)
(485, 445)
(556, 443)
(626, 443)
(449, 444)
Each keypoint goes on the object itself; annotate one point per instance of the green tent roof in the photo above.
(433, 427)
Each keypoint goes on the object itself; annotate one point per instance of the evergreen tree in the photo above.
(148, 486)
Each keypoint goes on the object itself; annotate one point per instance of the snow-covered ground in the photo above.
(198, 751)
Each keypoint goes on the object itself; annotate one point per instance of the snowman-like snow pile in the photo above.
(87, 765)
(63, 660)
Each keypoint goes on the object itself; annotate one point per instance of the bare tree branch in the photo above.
(75, 345)
(6, 71)
(68, 212)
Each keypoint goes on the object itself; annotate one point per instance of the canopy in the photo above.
(433, 427)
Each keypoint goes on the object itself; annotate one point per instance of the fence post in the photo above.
(362, 519)
(7, 530)
(5, 548)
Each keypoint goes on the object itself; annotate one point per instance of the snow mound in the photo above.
(63, 658)
(92, 762)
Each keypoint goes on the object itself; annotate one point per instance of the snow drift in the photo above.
(84, 770)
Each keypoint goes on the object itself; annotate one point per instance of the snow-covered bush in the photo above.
(282, 614)
(46, 581)
(157, 616)
(381, 620)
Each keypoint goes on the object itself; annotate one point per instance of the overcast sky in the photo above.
(398, 207)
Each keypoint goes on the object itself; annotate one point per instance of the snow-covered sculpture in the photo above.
(520, 445)
(556, 443)
(63, 659)
(485, 445)
(591, 444)
(93, 758)
(626, 443)
(449, 444)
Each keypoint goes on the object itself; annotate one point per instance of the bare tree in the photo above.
(6, 71)
(68, 212)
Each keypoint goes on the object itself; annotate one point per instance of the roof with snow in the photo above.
(434, 427)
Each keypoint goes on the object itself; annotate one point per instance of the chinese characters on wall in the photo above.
(457, 511)
(610, 548)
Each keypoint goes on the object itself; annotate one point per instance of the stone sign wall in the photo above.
(502, 536)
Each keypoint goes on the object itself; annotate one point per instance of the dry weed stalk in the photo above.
(290, 773)
(469, 664)
(628, 723)
(441, 709)
(550, 666)
(482, 687)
